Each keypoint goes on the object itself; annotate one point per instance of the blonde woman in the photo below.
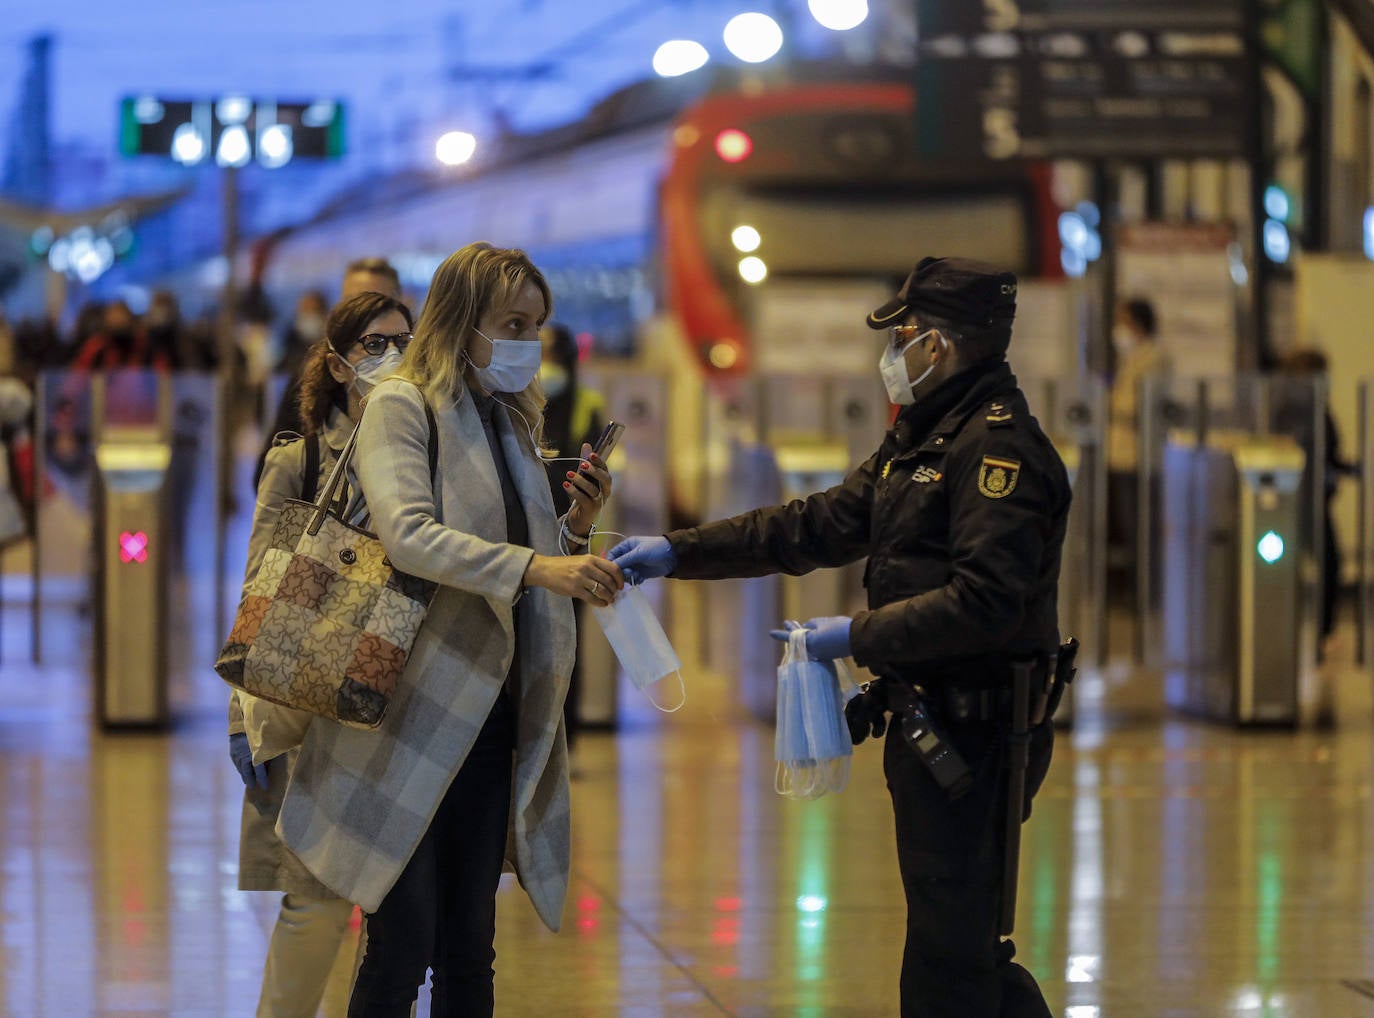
(411, 820)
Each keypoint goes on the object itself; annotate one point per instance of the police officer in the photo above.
(961, 513)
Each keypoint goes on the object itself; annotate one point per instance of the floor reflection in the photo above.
(1171, 868)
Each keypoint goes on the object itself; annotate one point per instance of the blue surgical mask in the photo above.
(514, 363)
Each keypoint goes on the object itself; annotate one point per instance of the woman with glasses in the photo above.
(363, 342)
(469, 768)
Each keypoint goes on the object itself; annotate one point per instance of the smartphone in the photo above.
(606, 443)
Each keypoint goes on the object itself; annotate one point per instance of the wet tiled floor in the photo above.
(1172, 867)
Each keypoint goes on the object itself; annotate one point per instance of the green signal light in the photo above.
(1270, 547)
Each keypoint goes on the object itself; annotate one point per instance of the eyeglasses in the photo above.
(375, 342)
(900, 335)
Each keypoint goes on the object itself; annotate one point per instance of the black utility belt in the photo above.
(965, 705)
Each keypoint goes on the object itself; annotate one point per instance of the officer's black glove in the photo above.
(867, 712)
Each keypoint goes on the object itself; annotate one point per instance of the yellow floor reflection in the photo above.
(1171, 869)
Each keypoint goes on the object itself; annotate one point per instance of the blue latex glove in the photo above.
(827, 637)
(643, 558)
(253, 775)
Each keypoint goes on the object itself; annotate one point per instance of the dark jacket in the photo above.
(963, 524)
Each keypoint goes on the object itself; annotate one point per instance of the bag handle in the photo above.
(326, 499)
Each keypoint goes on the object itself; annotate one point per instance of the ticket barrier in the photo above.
(782, 473)
(1072, 569)
(1232, 592)
(132, 548)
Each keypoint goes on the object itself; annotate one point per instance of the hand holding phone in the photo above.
(606, 442)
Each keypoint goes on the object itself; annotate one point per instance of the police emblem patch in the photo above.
(997, 477)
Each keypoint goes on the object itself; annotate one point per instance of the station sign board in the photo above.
(1084, 79)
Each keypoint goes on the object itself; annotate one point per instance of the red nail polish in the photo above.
(566, 484)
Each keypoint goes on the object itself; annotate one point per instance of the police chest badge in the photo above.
(997, 477)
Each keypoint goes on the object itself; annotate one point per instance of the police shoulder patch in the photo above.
(998, 415)
(997, 477)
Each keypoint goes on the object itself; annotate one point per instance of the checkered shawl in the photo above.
(359, 801)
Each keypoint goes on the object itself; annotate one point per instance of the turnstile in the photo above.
(1232, 605)
(131, 577)
(790, 471)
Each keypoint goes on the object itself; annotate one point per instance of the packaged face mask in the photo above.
(811, 741)
(639, 642)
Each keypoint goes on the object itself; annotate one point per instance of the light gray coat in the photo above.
(264, 864)
(359, 801)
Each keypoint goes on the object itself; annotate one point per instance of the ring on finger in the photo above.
(594, 588)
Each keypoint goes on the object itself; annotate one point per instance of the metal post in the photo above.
(1101, 628)
(40, 456)
(1144, 472)
(1318, 497)
(227, 343)
(1362, 526)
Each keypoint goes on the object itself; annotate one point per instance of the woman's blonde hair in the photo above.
(468, 284)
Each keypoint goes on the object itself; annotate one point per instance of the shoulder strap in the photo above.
(433, 443)
(310, 478)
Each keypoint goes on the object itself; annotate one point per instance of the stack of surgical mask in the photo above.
(811, 744)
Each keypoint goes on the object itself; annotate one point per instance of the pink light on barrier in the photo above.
(133, 547)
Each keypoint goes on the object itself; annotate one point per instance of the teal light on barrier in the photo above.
(811, 903)
(1270, 547)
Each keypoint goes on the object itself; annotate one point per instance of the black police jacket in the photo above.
(962, 522)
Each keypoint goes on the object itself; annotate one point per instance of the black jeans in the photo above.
(442, 910)
(950, 853)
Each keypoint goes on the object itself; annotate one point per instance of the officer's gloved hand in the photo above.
(253, 775)
(643, 558)
(867, 712)
(827, 637)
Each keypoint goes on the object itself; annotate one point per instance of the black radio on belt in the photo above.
(943, 761)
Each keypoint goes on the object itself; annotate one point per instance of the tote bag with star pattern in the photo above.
(327, 623)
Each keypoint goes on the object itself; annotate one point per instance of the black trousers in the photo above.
(441, 913)
(955, 964)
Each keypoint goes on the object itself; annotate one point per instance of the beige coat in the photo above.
(264, 863)
(359, 801)
(1145, 360)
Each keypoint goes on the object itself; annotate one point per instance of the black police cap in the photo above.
(957, 289)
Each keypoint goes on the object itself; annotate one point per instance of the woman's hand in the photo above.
(588, 488)
(582, 576)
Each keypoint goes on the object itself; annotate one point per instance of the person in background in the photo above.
(307, 326)
(573, 416)
(1302, 372)
(162, 325)
(364, 275)
(363, 342)
(414, 819)
(1138, 358)
(119, 343)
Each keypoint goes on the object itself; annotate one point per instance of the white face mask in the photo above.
(639, 642)
(371, 370)
(554, 379)
(514, 363)
(896, 379)
(1122, 338)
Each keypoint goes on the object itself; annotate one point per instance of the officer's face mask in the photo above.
(896, 378)
(513, 364)
(640, 643)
